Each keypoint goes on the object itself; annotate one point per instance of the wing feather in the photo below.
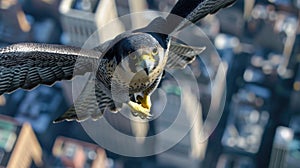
(91, 103)
(182, 15)
(27, 65)
(180, 55)
(194, 11)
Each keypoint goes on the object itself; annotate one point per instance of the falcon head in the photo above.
(142, 53)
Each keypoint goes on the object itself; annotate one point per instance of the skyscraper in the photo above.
(19, 146)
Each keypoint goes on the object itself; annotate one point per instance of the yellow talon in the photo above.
(145, 101)
(138, 108)
(142, 108)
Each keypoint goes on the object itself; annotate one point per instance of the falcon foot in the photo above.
(142, 116)
(140, 110)
(145, 101)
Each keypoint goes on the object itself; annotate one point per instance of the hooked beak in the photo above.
(147, 63)
(147, 71)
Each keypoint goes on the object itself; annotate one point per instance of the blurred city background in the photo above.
(258, 41)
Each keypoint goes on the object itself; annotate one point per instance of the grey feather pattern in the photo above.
(180, 55)
(27, 65)
(91, 103)
(203, 9)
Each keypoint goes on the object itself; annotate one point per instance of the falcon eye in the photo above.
(133, 56)
(155, 51)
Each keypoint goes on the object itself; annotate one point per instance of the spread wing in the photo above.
(193, 10)
(27, 65)
(183, 14)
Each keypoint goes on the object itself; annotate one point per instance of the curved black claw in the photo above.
(141, 115)
(135, 114)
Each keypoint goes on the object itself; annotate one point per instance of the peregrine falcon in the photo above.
(131, 63)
